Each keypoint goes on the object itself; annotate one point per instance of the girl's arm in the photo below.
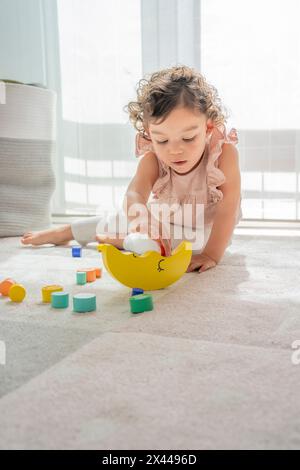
(228, 207)
(138, 192)
(141, 185)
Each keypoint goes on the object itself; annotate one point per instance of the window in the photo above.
(251, 52)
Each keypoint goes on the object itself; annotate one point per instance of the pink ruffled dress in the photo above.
(200, 186)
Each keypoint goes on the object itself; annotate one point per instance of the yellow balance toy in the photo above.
(149, 271)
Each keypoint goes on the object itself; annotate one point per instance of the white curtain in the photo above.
(249, 50)
(100, 62)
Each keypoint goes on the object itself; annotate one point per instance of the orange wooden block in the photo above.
(90, 274)
(6, 285)
(98, 272)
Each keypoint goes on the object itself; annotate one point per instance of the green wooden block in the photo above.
(84, 303)
(141, 303)
(81, 277)
(60, 299)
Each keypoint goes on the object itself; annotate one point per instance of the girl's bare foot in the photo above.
(57, 236)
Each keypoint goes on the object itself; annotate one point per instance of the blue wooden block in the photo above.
(76, 251)
(136, 291)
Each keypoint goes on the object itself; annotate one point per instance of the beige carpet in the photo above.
(210, 367)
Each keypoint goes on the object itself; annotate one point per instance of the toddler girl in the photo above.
(186, 160)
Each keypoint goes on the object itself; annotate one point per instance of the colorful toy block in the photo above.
(90, 274)
(17, 293)
(76, 251)
(6, 285)
(141, 303)
(59, 299)
(137, 291)
(47, 291)
(81, 277)
(84, 302)
(98, 272)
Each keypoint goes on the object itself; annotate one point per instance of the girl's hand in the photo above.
(201, 261)
(163, 239)
(156, 230)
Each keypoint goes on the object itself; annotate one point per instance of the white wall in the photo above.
(22, 55)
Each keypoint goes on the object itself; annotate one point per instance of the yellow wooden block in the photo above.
(47, 291)
(17, 293)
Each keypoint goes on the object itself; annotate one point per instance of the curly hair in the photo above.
(162, 91)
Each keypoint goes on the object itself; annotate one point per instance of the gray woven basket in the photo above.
(27, 147)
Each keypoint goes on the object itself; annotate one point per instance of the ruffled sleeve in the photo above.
(215, 177)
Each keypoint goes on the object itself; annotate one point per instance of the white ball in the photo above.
(140, 243)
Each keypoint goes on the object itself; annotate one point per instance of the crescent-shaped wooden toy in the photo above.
(149, 271)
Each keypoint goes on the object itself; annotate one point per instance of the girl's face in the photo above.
(180, 140)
